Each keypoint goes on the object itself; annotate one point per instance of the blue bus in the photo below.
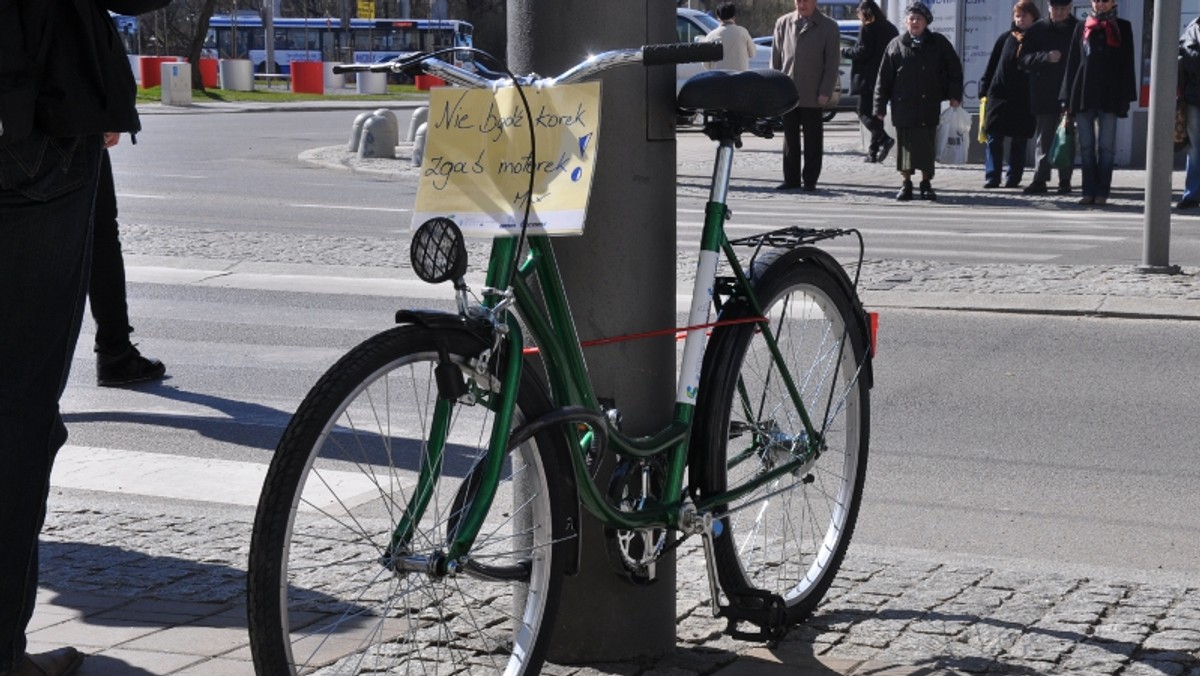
(242, 36)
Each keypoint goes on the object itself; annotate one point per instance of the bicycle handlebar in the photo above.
(649, 55)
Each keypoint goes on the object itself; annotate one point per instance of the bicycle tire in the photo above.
(321, 602)
(789, 536)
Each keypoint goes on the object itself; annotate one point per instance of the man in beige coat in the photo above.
(806, 48)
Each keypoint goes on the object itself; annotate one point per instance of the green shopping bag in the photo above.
(1062, 152)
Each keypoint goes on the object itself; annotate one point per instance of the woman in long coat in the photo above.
(1098, 88)
(865, 55)
(919, 70)
(1009, 109)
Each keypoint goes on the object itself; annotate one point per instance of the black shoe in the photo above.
(884, 149)
(870, 159)
(787, 186)
(905, 193)
(1188, 203)
(1064, 189)
(927, 192)
(61, 662)
(809, 187)
(1012, 183)
(1035, 188)
(991, 184)
(127, 368)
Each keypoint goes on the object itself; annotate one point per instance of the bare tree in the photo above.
(200, 31)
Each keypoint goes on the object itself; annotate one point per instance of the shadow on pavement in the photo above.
(103, 665)
(975, 643)
(246, 423)
(80, 572)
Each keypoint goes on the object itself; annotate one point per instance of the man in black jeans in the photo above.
(64, 82)
(118, 362)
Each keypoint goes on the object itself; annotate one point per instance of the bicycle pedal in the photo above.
(763, 609)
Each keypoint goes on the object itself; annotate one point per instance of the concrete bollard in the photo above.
(356, 131)
(378, 138)
(419, 116)
(418, 151)
(392, 120)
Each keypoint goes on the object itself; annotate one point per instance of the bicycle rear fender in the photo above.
(566, 526)
(835, 270)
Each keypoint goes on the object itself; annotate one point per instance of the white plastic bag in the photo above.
(952, 140)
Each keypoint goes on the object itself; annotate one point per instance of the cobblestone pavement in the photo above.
(169, 585)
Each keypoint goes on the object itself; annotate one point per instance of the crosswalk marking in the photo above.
(177, 477)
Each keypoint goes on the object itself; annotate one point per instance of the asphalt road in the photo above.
(239, 172)
(1058, 441)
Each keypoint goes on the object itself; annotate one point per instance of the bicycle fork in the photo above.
(479, 489)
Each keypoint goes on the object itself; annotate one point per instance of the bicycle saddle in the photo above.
(749, 93)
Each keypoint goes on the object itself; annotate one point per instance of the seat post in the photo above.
(722, 170)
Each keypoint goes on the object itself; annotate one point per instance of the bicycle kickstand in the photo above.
(761, 608)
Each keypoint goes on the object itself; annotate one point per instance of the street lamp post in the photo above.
(1156, 244)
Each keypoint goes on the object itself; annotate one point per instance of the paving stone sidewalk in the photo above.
(161, 592)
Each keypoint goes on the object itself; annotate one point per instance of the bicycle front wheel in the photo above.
(322, 599)
(787, 536)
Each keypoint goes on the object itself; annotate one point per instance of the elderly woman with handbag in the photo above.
(1009, 110)
(919, 70)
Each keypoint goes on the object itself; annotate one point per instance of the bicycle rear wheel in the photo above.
(789, 535)
(320, 599)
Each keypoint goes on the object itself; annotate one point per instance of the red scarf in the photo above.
(1111, 31)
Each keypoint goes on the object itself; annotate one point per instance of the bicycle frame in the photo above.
(553, 330)
(550, 323)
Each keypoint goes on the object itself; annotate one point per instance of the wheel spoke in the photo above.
(325, 592)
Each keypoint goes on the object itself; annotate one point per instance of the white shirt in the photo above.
(739, 47)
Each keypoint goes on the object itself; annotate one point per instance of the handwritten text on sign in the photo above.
(477, 161)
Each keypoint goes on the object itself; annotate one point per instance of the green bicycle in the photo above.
(423, 505)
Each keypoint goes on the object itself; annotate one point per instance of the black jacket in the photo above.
(865, 55)
(1046, 78)
(915, 77)
(63, 68)
(1006, 86)
(1100, 77)
(1189, 63)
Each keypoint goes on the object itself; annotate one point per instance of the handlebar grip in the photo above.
(683, 52)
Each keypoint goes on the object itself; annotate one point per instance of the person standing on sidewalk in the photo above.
(1098, 87)
(865, 55)
(806, 49)
(1009, 110)
(1189, 90)
(920, 69)
(739, 46)
(64, 82)
(1046, 45)
(118, 362)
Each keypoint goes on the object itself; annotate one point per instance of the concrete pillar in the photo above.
(620, 276)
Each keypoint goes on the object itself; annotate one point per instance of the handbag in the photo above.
(982, 138)
(1062, 151)
(1181, 125)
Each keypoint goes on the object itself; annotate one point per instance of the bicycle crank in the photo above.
(634, 485)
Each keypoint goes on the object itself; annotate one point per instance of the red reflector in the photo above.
(874, 319)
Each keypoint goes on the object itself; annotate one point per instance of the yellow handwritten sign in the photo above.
(477, 160)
